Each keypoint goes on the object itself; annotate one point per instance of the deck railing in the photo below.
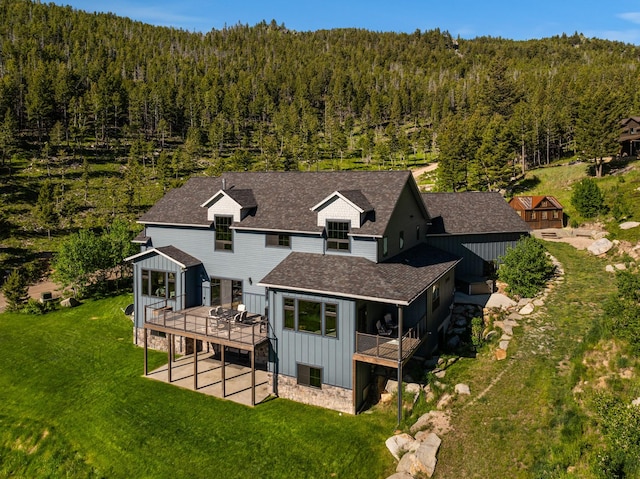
(387, 347)
(198, 321)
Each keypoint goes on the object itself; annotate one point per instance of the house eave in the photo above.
(160, 223)
(275, 230)
(154, 250)
(400, 302)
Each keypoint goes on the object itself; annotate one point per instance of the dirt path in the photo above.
(35, 291)
(424, 169)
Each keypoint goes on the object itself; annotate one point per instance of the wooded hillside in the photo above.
(113, 112)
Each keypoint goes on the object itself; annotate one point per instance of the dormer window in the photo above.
(224, 235)
(338, 235)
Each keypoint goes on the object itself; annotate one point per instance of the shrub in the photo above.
(525, 268)
(477, 329)
(587, 198)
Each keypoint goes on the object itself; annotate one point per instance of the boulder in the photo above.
(501, 354)
(500, 301)
(444, 401)
(600, 246)
(627, 225)
(440, 374)
(392, 386)
(620, 266)
(400, 444)
(527, 309)
(424, 459)
(69, 303)
(453, 342)
(462, 389)
(609, 269)
(504, 345)
(413, 388)
(400, 475)
(635, 402)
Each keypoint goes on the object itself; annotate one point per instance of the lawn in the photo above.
(74, 404)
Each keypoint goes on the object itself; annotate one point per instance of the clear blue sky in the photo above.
(517, 20)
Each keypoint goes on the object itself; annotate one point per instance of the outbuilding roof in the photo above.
(471, 212)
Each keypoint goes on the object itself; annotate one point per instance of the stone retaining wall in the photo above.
(330, 397)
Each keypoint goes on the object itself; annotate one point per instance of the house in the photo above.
(629, 136)
(539, 212)
(332, 269)
(476, 226)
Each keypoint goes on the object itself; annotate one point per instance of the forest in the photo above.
(100, 115)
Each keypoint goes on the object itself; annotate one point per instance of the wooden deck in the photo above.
(220, 329)
(383, 350)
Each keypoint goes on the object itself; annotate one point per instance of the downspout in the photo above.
(400, 333)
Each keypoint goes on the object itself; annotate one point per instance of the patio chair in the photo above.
(382, 331)
(241, 317)
(241, 308)
(213, 312)
(389, 322)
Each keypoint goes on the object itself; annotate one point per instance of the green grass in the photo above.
(528, 422)
(74, 404)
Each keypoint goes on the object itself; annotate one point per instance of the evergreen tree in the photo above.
(44, 211)
(15, 291)
(587, 198)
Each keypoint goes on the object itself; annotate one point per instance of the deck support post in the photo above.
(195, 364)
(146, 349)
(224, 381)
(253, 376)
(400, 333)
(169, 355)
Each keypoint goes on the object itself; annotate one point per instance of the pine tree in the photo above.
(15, 291)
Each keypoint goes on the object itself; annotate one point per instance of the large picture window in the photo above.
(309, 376)
(224, 235)
(289, 313)
(338, 235)
(311, 317)
(159, 284)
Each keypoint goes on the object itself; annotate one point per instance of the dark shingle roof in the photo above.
(244, 198)
(472, 212)
(283, 199)
(174, 254)
(399, 280)
(357, 198)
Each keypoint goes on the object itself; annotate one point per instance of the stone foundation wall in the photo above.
(330, 397)
(182, 345)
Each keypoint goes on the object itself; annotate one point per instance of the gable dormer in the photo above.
(230, 202)
(345, 205)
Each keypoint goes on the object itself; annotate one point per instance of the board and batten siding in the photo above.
(475, 249)
(409, 218)
(156, 262)
(333, 355)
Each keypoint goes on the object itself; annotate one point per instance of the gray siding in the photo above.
(156, 262)
(407, 217)
(333, 355)
(475, 249)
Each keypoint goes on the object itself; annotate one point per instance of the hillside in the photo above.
(101, 115)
